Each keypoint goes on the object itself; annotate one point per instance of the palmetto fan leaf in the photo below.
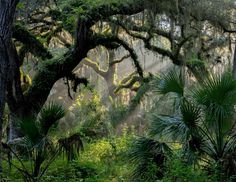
(170, 82)
(145, 153)
(49, 116)
(142, 147)
(230, 145)
(230, 155)
(37, 144)
(168, 127)
(215, 87)
(30, 129)
(204, 122)
(191, 114)
(217, 95)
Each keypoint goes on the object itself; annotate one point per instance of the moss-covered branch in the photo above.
(112, 41)
(52, 70)
(128, 82)
(174, 56)
(31, 43)
(94, 66)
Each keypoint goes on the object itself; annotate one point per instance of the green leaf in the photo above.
(217, 96)
(148, 154)
(191, 114)
(170, 82)
(31, 130)
(49, 116)
(20, 5)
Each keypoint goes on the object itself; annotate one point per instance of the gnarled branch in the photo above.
(31, 42)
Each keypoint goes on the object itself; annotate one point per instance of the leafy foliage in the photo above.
(169, 82)
(150, 156)
(203, 125)
(49, 115)
(91, 115)
(203, 122)
(36, 141)
(178, 170)
(71, 146)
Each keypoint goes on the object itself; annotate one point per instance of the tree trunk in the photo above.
(15, 116)
(3, 79)
(51, 71)
(15, 98)
(14, 131)
(234, 63)
(110, 75)
(37, 164)
(7, 11)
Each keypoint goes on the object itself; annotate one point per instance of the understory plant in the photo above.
(37, 145)
(91, 115)
(202, 124)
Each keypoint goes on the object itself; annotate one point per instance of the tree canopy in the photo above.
(59, 35)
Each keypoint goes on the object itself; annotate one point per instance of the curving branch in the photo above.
(52, 70)
(109, 40)
(128, 82)
(129, 25)
(173, 55)
(30, 42)
(94, 66)
(119, 60)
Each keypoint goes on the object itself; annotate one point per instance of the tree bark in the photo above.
(234, 63)
(7, 11)
(53, 70)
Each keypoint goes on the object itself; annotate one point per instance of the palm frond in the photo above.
(191, 114)
(190, 154)
(49, 116)
(217, 95)
(30, 130)
(45, 145)
(149, 157)
(170, 82)
(230, 145)
(204, 123)
(172, 128)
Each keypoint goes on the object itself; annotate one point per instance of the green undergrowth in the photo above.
(106, 160)
(102, 160)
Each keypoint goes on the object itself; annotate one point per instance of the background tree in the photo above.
(7, 12)
(150, 20)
